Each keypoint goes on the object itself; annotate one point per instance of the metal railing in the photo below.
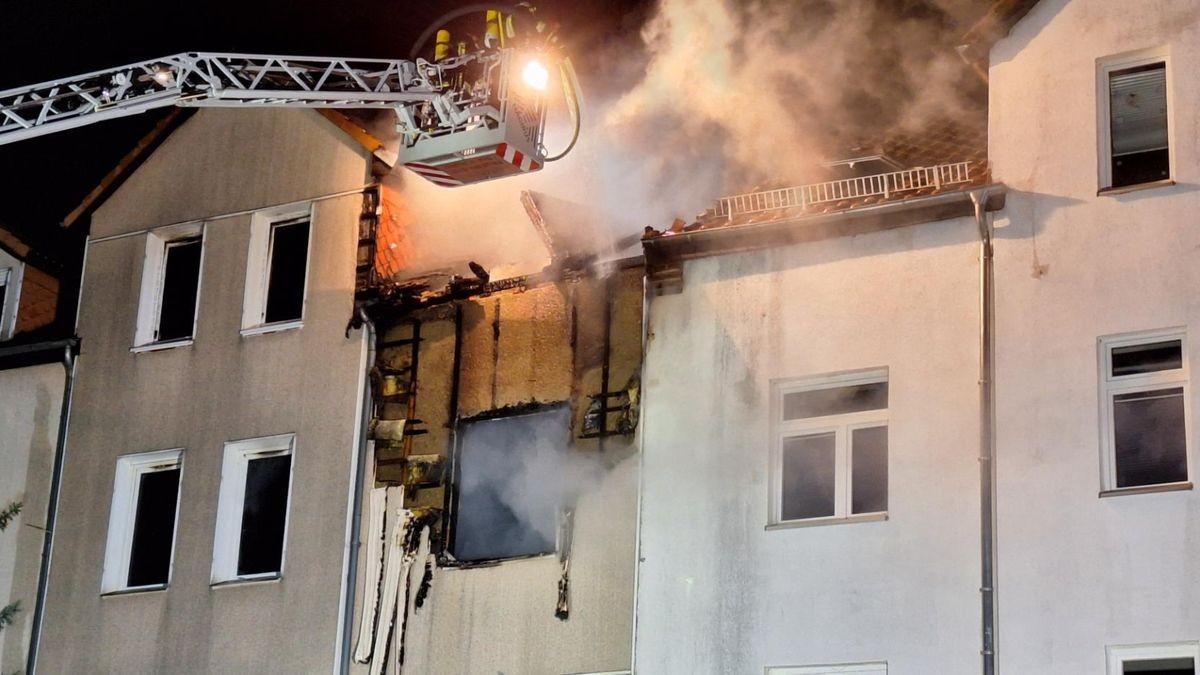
(880, 185)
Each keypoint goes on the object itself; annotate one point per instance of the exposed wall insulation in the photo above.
(376, 536)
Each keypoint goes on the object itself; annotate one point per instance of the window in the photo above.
(170, 286)
(256, 479)
(141, 523)
(1143, 410)
(829, 448)
(276, 271)
(856, 668)
(506, 497)
(9, 284)
(1178, 658)
(1134, 120)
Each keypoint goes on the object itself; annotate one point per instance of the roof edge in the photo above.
(665, 254)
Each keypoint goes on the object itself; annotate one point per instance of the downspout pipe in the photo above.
(987, 424)
(360, 479)
(70, 350)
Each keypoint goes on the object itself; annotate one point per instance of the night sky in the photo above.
(44, 179)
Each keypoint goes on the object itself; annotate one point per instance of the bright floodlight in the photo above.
(536, 75)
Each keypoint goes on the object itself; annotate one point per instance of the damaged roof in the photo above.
(945, 165)
(954, 150)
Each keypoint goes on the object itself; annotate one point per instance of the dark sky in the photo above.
(42, 179)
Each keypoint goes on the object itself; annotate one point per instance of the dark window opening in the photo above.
(835, 400)
(264, 514)
(153, 528)
(808, 476)
(1151, 357)
(1174, 666)
(1150, 441)
(507, 491)
(869, 470)
(287, 269)
(180, 284)
(1138, 129)
(3, 292)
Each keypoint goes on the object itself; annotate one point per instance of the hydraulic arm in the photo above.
(462, 119)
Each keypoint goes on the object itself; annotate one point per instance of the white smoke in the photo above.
(723, 96)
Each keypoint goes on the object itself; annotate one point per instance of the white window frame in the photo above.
(1119, 655)
(1104, 67)
(126, 488)
(1111, 386)
(153, 270)
(842, 425)
(876, 668)
(232, 500)
(258, 269)
(11, 277)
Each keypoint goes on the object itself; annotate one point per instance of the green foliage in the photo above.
(11, 511)
(9, 614)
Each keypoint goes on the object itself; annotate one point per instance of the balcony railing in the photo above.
(880, 185)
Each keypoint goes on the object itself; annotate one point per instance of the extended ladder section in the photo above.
(450, 113)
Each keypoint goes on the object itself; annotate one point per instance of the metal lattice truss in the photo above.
(428, 97)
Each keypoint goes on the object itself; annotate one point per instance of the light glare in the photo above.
(536, 75)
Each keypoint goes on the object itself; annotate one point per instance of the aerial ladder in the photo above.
(462, 117)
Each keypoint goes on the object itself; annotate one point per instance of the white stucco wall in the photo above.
(30, 402)
(1078, 572)
(720, 594)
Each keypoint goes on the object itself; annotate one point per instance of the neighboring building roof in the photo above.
(994, 26)
(998, 21)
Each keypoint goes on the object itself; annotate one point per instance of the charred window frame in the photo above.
(277, 268)
(142, 522)
(489, 450)
(1135, 121)
(1145, 414)
(253, 509)
(829, 449)
(170, 291)
(1170, 658)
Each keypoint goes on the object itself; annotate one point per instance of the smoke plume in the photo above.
(712, 97)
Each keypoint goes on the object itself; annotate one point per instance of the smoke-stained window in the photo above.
(509, 484)
(141, 524)
(170, 286)
(1144, 410)
(1136, 147)
(252, 512)
(277, 270)
(830, 447)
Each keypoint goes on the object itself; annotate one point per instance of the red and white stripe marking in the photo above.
(516, 158)
(433, 174)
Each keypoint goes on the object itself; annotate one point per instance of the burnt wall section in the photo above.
(503, 416)
(568, 340)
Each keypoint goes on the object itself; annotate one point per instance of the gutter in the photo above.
(641, 483)
(808, 227)
(354, 521)
(70, 349)
(987, 425)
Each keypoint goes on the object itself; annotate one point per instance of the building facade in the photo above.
(1096, 453)
(206, 490)
(874, 360)
(35, 359)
